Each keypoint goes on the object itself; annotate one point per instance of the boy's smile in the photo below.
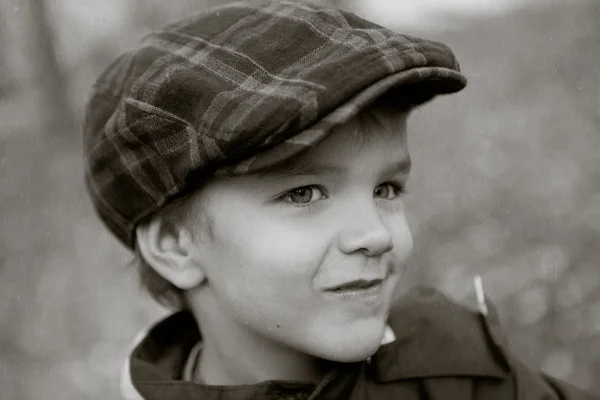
(301, 262)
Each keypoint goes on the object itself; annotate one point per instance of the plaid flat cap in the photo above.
(238, 88)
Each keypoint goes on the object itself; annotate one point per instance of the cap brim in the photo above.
(420, 85)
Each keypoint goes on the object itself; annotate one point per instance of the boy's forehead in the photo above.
(383, 134)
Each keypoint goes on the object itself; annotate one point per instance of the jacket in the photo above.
(441, 351)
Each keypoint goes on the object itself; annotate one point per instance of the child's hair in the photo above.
(183, 208)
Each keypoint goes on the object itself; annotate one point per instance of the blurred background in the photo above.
(506, 183)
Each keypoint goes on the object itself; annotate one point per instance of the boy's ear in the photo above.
(169, 251)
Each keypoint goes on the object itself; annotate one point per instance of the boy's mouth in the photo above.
(367, 293)
(356, 285)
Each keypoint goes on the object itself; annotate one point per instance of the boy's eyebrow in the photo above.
(402, 166)
(284, 170)
(297, 169)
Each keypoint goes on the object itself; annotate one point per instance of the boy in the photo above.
(254, 158)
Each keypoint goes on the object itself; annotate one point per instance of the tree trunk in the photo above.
(56, 118)
(5, 76)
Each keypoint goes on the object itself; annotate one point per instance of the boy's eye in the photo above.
(388, 191)
(304, 195)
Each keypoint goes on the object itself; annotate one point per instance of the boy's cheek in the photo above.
(291, 238)
(401, 233)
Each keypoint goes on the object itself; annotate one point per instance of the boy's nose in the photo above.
(365, 231)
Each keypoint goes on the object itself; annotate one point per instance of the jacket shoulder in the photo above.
(438, 337)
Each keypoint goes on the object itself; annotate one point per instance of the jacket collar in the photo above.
(434, 338)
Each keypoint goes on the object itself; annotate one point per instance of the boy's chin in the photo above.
(352, 355)
(353, 347)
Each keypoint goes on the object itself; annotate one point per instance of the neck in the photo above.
(233, 354)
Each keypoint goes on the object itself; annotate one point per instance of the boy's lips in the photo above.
(363, 293)
(355, 285)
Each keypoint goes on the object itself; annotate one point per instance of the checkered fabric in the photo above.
(236, 89)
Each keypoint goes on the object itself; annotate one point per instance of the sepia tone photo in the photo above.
(335, 199)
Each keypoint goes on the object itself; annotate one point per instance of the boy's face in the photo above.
(309, 256)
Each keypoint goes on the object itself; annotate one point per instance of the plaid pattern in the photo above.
(235, 89)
